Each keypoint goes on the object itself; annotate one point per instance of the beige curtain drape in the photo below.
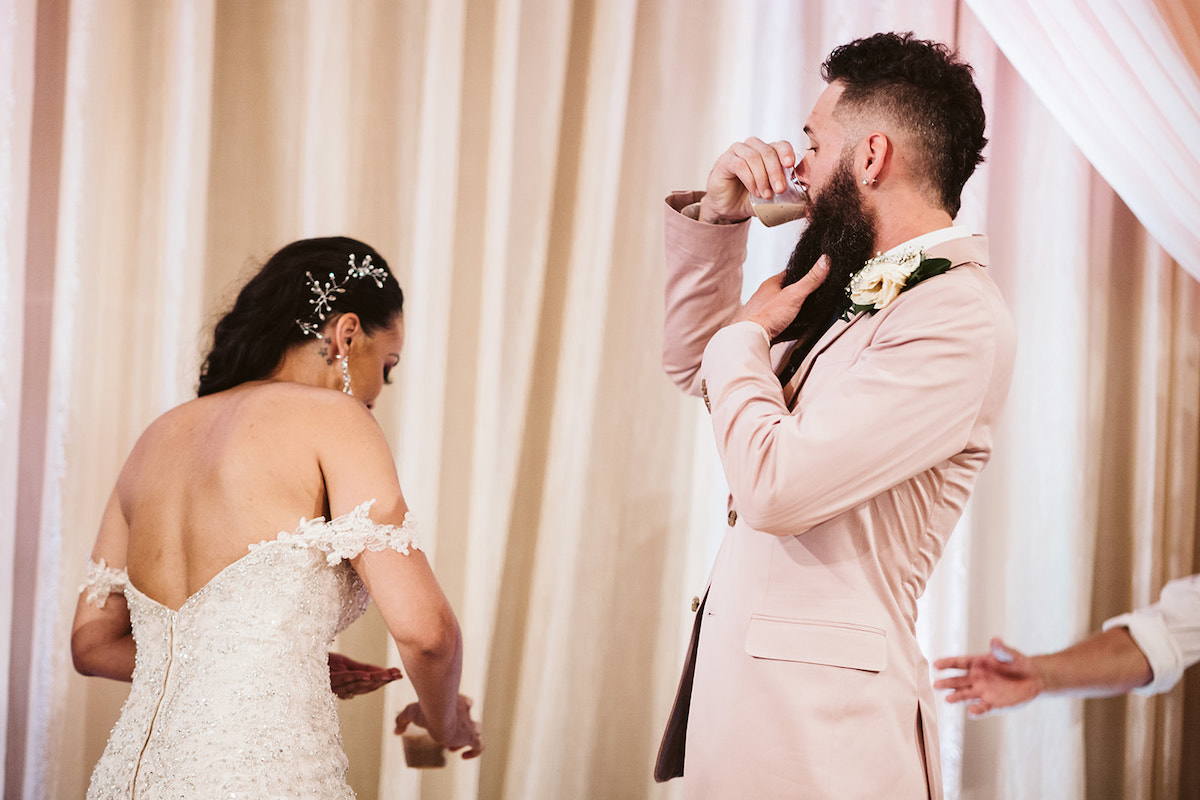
(509, 157)
(1089, 60)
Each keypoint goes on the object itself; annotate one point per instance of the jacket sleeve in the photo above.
(908, 402)
(703, 286)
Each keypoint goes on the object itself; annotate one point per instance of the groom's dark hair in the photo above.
(923, 87)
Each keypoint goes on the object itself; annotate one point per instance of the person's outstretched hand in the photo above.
(1002, 679)
(774, 306)
(466, 732)
(349, 678)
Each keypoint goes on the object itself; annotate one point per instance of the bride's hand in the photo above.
(349, 678)
(465, 733)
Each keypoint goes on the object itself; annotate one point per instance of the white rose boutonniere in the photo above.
(884, 277)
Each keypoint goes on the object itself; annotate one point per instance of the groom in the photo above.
(851, 431)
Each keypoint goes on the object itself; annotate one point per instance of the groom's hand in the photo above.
(749, 167)
(774, 306)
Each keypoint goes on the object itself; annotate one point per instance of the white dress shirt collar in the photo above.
(932, 239)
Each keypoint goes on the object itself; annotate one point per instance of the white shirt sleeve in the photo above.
(1168, 632)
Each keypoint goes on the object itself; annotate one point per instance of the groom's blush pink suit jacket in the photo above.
(809, 682)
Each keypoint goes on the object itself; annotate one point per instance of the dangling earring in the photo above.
(346, 375)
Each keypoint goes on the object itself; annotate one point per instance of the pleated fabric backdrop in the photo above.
(509, 158)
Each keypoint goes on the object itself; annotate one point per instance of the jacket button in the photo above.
(695, 604)
(732, 517)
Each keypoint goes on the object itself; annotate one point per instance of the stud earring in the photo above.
(346, 375)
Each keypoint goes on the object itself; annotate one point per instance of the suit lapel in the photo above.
(792, 390)
(967, 250)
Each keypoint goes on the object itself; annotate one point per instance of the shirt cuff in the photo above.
(1150, 634)
(687, 203)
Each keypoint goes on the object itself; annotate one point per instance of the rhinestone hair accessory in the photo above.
(324, 293)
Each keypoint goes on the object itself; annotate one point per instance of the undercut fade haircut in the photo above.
(925, 88)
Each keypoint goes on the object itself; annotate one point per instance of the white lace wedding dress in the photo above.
(230, 694)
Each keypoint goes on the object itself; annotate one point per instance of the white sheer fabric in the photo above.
(16, 111)
(1118, 82)
(509, 158)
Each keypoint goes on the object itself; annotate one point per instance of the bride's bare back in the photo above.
(220, 473)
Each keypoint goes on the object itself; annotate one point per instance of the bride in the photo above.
(205, 592)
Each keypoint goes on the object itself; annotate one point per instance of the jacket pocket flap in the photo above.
(834, 644)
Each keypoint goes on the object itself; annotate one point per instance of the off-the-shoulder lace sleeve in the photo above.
(350, 534)
(101, 581)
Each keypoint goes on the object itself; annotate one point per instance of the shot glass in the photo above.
(784, 207)
(421, 751)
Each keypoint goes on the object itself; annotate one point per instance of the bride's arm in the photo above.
(427, 635)
(358, 465)
(101, 635)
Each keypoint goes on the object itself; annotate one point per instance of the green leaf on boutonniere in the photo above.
(927, 269)
(855, 309)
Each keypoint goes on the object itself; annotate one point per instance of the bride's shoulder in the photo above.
(275, 399)
(307, 402)
(263, 406)
(301, 394)
(303, 413)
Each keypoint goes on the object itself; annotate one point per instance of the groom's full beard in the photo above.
(840, 227)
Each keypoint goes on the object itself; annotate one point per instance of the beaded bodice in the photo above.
(230, 694)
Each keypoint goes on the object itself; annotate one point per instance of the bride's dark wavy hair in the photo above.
(252, 338)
